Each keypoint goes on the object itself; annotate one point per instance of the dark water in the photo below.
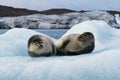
(3, 31)
(55, 33)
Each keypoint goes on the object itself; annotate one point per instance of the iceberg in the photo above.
(101, 64)
(63, 21)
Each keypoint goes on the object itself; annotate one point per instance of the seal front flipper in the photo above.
(64, 44)
(61, 49)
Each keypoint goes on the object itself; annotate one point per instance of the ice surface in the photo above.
(14, 42)
(102, 64)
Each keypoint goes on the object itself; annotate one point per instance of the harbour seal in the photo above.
(39, 45)
(75, 44)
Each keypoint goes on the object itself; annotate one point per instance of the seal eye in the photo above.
(89, 35)
(81, 38)
(40, 46)
(41, 42)
(85, 35)
(36, 43)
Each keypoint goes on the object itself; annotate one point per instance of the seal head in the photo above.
(39, 45)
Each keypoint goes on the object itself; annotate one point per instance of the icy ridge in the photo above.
(55, 21)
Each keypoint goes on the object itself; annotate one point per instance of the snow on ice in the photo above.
(101, 64)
